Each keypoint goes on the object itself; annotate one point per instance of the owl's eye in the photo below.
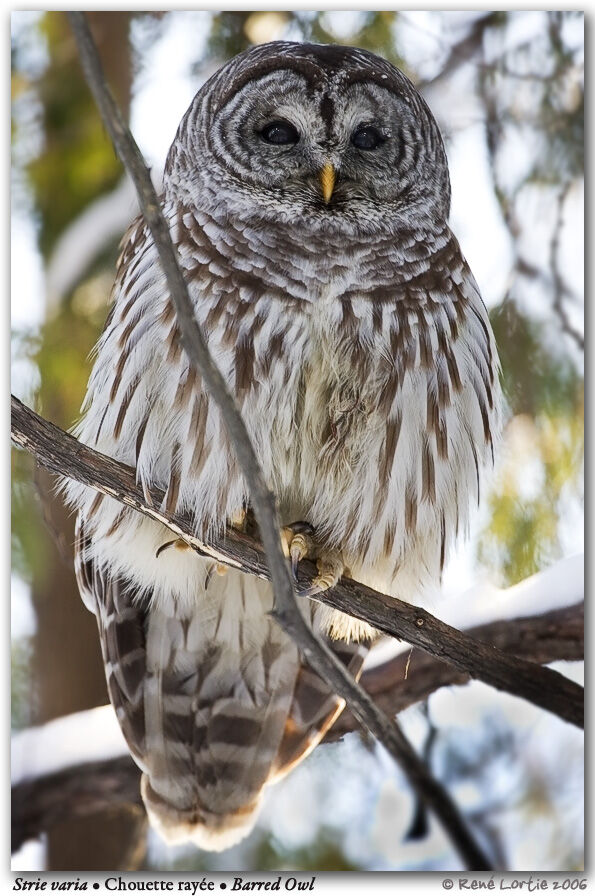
(367, 137)
(279, 133)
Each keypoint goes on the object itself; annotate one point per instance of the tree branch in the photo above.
(63, 454)
(287, 612)
(40, 803)
(413, 675)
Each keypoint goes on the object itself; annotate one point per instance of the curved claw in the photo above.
(295, 559)
(300, 547)
(310, 590)
(300, 543)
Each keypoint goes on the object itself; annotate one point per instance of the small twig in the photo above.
(287, 611)
(560, 288)
(460, 52)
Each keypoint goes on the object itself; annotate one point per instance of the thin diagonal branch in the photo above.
(287, 611)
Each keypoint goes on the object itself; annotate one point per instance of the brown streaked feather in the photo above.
(174, 346)
(125, 405)
(244, 365)
(118, 375)
(128, 329)
(95, 505)
(167, 315)
(442, 382)
(389, 535)
(442, 439)
(118, 519)
(410, 510)
(393, 430)
(428, 473)
(140, 435)
(173, 488)
(121, 623)
(197, 431)
(487, 347)
(101, 422)
(442, 541)
(185, 389)
(314, 707)
(426, 355)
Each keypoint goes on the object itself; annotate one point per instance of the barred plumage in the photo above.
(353, 336)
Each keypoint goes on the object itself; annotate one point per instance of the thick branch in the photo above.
(63, 454)
(287, 612)
(39, 804)
(408, 678)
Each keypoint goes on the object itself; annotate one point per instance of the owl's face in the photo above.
(330, 135)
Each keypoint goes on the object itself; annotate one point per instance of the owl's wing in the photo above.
(122, 634)
(212, 698)
(315, 707)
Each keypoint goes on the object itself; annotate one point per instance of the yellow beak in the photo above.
(328, 175)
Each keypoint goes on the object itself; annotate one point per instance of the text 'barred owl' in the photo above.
(307, 193)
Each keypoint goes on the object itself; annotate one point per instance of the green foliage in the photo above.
(78, 163)
(542, 460)
(28, 546)
(538, 375)
(21, 702)
(323, 853)
(65, 362)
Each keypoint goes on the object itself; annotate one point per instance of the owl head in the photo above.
(332, 137)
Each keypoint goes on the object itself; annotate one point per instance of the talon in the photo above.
(297, 543)
(300, 547)
(308, 590)
(294, 565)
(164, 547)
(330, 569)
(220, 569)
(178, 543)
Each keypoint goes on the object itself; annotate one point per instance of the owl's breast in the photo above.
(330, 445)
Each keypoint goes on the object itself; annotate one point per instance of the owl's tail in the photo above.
(207, 830)
(232, 710)
(211, 696)
(226, 811)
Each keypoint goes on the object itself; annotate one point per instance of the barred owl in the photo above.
(307, 193)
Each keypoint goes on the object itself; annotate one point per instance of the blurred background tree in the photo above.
(507, 90)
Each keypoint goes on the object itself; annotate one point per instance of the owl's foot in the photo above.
(301, 544)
